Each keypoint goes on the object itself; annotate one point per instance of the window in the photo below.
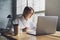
(37, 5)
(20, 6)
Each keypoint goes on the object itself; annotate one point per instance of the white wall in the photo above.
(5, 10)
(53, 9)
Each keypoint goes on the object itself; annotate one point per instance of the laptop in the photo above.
(45, 25)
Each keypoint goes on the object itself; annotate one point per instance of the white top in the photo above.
(22, 23)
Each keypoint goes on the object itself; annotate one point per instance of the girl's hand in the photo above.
(25, 29)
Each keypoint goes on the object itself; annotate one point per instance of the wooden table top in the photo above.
(24, 36)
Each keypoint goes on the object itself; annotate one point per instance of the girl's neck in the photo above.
(25, 17)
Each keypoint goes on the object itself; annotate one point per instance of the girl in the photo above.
(24, 21)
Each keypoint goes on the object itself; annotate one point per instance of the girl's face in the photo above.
(29, 14)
